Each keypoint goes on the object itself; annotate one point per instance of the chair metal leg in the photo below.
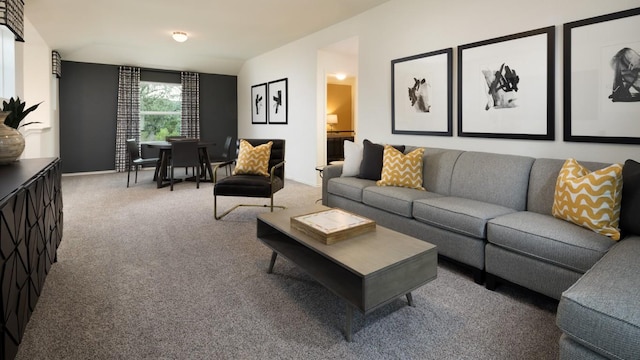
(136, 174)
(128, 174)
(218, 217)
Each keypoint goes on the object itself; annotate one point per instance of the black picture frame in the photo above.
(599, 104)
(259, 108)
(517, 105)
(277, 92)
(422, 93)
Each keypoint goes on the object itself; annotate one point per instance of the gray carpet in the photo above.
(145, 273)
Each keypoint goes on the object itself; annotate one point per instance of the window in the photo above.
(160, 110)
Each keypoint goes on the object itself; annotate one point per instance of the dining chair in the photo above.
(135, 160)
(224, 157)
(184, 153)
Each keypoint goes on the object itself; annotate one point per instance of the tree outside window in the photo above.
(160, 110)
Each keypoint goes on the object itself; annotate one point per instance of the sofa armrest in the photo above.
(329, 172)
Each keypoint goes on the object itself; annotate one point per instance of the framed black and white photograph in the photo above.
(601, 78)
(421, 94)
(259, 104)
(278, 101)
(506, 86)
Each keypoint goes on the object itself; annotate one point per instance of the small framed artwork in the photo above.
(421, 94)
(506, 87)
(259, 104)
(601, 79)
(278, 101)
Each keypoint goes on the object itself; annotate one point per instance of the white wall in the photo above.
(402, 28)
(38, 85)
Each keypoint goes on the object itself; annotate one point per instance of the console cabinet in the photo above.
(30, 233)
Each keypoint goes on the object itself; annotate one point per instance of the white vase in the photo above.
(11, 141)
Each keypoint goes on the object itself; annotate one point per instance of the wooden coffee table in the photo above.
(367, 271)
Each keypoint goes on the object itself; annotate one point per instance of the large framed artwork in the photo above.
(259, 104)
(506, 86)
(601, 83)
(421, 94)
(278, 101)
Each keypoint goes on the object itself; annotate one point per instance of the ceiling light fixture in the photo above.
(341, 76)
(180, 36)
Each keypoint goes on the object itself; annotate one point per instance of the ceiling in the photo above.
(223, 34)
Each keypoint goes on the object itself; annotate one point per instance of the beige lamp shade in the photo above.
(332, 119)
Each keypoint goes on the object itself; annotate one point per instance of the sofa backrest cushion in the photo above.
(437, 169)
(542, 182)
(494, 178)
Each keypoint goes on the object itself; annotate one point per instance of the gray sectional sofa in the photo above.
(492, 213)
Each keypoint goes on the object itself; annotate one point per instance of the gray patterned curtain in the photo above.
(190, 104)
(128, 119)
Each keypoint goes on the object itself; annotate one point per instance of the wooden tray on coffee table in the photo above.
(333, 225)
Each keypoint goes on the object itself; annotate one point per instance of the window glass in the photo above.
(160, 110)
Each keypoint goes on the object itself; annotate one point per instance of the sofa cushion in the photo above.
(401, 170)
(348, 187)
(549, 239)
(492, 178)
(630, 206)
(352, 158)
(464, 216)
(396, 200)
(371, 166)
(600, 311)
(589, 199)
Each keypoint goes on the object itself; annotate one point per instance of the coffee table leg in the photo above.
(410, 299)
(273, 262)
(349, 318)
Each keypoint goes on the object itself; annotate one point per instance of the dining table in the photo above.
(162, 167)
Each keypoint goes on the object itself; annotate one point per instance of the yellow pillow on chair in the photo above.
(253, 160)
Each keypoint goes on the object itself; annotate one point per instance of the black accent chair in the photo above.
(135, 160)
(252, 185)
(224, 157)
(184, 153)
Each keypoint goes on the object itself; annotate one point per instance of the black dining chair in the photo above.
(184, 153)
(135, 160)
(224, 157)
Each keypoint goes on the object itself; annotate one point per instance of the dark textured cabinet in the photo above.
(30, 233)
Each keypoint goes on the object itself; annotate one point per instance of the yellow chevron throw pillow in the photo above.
(253, 160)
(589, 199)
(401, 170)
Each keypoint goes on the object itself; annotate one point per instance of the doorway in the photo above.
(338, 66)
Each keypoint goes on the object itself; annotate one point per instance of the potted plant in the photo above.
(18, 113)
(11, 140)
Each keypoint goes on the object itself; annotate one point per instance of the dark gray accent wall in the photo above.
(88, 106)
(88, 110)
(218, 109)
